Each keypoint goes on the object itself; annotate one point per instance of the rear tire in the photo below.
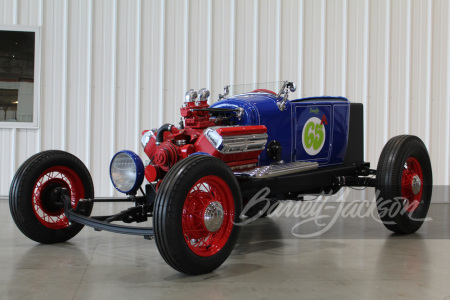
(32, 206)
(196, 207)
(404, 183)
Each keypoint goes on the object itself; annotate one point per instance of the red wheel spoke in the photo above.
(193, 212)
(198, 215)
(205, 187)
(193, 230)
(58, 176)
(207, 190)
(412, 175)
(412, 167)
(201, 242)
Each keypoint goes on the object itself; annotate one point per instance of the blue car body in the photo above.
(291, 127)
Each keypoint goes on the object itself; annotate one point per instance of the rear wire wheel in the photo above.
(44, 206)
(412, 188)
(404, 184)
(34, 207)
(196, 206)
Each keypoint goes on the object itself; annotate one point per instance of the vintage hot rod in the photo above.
(202, 173)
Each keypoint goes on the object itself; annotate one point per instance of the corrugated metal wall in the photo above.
(111, 68)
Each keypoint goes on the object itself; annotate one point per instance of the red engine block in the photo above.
(238, 146)
(194, 117)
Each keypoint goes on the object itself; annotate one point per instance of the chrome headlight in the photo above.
(126, 171)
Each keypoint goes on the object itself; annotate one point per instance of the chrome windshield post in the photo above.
(287, 86)
(226, 91)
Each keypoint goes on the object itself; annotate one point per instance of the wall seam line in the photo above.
(408, 66)
(255, 41)
(137, 115)
(300, 47)
(387, 52)
(64, 77)
(428, 72)
(162, 58)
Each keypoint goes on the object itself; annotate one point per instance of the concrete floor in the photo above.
(357, 258)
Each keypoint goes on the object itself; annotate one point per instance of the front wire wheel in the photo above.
(208, 214)
(195, 208)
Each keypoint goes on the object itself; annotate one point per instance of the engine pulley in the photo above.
(165, 156)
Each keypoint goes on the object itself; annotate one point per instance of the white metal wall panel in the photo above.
(104, 101)
(291, 43)
(110, 69)
(78, 91)
(223, 44)
(152, 64)
(439, 130)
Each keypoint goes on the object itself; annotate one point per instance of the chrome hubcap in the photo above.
(416, 184)
(213, 216)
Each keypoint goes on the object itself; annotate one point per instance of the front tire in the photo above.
(404, 184)
(196, 207)
(33, 206)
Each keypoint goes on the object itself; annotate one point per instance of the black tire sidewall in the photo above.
(22, 189)
(389, 181)
(168, 214)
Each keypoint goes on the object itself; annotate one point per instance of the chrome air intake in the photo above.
(239, 141)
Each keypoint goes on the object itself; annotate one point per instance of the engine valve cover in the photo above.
(232, 144)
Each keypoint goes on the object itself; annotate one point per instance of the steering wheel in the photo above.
(264, 91)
